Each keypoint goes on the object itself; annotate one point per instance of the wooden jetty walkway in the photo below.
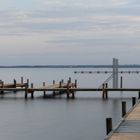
(129, 128)
(69, 89)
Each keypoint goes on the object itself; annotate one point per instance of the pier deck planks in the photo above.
(130, 127)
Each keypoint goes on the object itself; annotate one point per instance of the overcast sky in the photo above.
(69, 31)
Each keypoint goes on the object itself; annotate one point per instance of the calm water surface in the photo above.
(59, 118)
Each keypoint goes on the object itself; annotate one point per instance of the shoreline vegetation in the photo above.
(71, 66)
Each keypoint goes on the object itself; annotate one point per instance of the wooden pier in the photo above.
(68, 88)
(129, 128)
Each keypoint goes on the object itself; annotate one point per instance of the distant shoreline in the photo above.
(70, 66)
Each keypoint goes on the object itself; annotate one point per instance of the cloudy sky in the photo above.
(69, 31)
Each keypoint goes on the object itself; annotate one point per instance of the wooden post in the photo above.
(27, 83)
(44, 95)
(15, 85)
(21, 80)
(68, 92)
(53, 82)
(139, 95)
(32, 92)
(123, 108)
(73, 95)
(2, 84)
(15, 82)
(133, 101)
(75, 83)
(103, 91)
(69, 79)
(60, 84)
(121, 82)
(26, 91)
(108, 125)
(106, 92)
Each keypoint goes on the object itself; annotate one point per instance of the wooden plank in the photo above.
(135, 114)
(125, 136)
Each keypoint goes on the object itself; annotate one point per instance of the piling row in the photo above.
(125, 127)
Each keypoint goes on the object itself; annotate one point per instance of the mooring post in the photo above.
(32, 91)
(53, 82)
(60, 84)
(73, 95)
(108, 125)
(15, 82)
(44, 95)
(103, 91)
(68, 92)
(139, 95)
(123, 108)
(2, 85)
(133, 101)
(121, 82)
(15, 85)
(27, 83)
(26, 91)
(106, 92)
(21, 80)
(75, 83)
(69, 79)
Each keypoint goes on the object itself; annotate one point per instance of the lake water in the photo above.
(59, 118)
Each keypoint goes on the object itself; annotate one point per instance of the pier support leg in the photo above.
(26, 91)
(123, 108)
(26, 94)
(21, 80)
(73, 95)
(15, 85)
(121, 82)
(44, 92)
(139, 95)
(69, 79)
(68, 95)
(104, 91)
(75, 83)
(53, 91)
(133, 101)
(32, 92)
(108, 125)
(2, 84)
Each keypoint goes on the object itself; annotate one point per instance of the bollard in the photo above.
(106, 92)
(60, 84)
(32, 92)
(123, 108)
(75, 83)
(2, 85)
(68, 92)
(44, 95)
(27, 83)
(108, 125)
(26, 91)
(133, 101)
(21, 80)
(53, 82)
(139, 95)
(121, 82)
(69, 79)
(15, 82)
